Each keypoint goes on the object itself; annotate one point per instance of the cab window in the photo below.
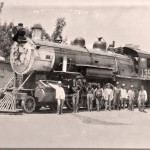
(148, 63)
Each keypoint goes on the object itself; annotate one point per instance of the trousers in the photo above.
(116, 101)
(131, 104)
(75, 102)
(60, 104)
(108, 104)
(99, 102)
(89, 102)
(123, 102)
(141, 105)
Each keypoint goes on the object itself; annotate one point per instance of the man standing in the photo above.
(84, 93)
(142, 98)
(131, 96)
(75, 96)
(60, 96)
(116, 100)
(123, 96)
(90, 96)
(108, 96)
(99, 95)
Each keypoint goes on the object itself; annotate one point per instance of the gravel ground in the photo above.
(44, 129)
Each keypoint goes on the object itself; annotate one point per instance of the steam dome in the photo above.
(79, 42)
(100, 45)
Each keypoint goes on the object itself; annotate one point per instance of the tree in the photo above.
(6, 39)
(1, 6)
(57, 34)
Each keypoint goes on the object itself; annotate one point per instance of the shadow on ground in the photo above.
(89, 120)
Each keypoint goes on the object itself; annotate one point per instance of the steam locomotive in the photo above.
(37, 63)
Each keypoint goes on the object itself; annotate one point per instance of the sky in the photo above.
(122, 21)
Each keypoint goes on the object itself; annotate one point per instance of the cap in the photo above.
(108, 84)
(59, 82)
(123, 84)
(131, 86)
(20, 24)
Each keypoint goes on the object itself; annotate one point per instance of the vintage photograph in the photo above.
(74, 74)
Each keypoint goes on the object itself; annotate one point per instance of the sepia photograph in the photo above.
(74, 74)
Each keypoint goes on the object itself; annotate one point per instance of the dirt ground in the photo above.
(44, 129)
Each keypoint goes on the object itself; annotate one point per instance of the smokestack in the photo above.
(64, 64)
(113, 44)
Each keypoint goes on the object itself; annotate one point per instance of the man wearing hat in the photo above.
(123, 95)
(60, 96)
(131, 96)
(142, 98)
(75, 95)
(108, 96)
(116, 100)
(90, 97)
(99, 95)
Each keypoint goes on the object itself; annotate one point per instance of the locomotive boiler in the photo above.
(37, 63)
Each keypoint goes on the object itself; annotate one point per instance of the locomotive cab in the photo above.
(141, 60)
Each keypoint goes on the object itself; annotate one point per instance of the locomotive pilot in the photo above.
(123, 96)
(142, 98)
(116, 100)
(60, 96)
(99, 97)
(108, 96)
(131, 96)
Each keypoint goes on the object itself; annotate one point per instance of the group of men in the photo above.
(108, 97)
(117, 97)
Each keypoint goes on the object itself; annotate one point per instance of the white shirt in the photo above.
(60, 93)
(108, 94)
(142, 95)
(131, 94)
(123, 93)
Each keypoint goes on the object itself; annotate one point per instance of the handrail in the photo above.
(8, 83)
(25, 81)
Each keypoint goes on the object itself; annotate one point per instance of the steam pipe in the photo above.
(64, 64)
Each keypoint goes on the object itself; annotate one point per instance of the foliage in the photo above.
(1, 6)
(60, 24)
(6, 39)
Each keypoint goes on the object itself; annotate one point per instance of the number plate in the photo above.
(145, 73)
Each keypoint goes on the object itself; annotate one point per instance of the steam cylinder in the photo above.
(25, 58)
